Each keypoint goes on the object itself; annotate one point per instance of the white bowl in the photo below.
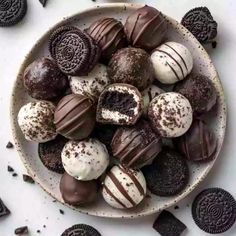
(49, 181)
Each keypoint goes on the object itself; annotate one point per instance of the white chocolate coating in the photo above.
(85, 160)
(148, 94)
(36, 121)
(92, 84)
(170, 114)
(124, 188)
(172, 62)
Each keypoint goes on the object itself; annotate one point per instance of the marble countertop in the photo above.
(33, 207)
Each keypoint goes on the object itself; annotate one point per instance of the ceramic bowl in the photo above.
(49, 181)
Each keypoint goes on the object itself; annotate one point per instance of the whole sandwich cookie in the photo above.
(214, 210)
(92, 84)
(50, 154)
(85, 160)
(199, 143)
(146, 28)
(136, 146)
(109, 34)
(36, 121)
(81, 230)
(43, 80)
(74, 116)
(201, 24)
(76, 192)
(124, 188)
(119, 104)
(12, 12)
(131, 66)
(172, 62)
(170, 114)
(168, 175)
(76, 53)
(200, 92)
(148, 94)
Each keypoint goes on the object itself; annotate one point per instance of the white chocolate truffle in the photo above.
(172, 62)
(36, 121)
(92, 84)
(170, 114)
(148, 94)
(85, 160)
(124, 188)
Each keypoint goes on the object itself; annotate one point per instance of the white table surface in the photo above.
(28, 203)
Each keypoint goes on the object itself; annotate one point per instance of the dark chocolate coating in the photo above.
(198, 144)
(43, 80)
(146, 28)
(201, 24)
(200, 92)
(75, 116)
(78, 193)
(131, 66)
(136, 146)
(109, 34)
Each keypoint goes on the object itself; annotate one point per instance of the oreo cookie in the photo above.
(167, 224)
(4, 211)
(201, 24)
(81, 230)
(50, 154)
(168, 175)
(214, 210)
(12, 12)
(56, 36)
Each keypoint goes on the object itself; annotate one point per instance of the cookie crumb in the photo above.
(43, 2)
(61, 211)
(176, 207)
(28, 179)
(214, 44)
(9, 145)
(21, 230)
(14, 174)
(10, 169)
(38, 231)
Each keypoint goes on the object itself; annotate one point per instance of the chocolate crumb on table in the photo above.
(43, 2)
(10, 169)
(38, 231)
(22, 230)
(4, 211)
(14, 174)
(9, 145)
(61, 211)
(28, 179)
(176, 207)
(214, 44)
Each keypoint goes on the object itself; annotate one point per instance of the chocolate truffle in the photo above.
(201, 24)
(43, 80)
(75, 116)
(36, 121)
(148, 94)
(146, 28)
(78, 193)
(136, 146)
(172, 62)
(85, 160)
(119, 104)
(170, 114)
(199, 143)
(109, 34)
(124, 188)
(131, 66)
(200, 92)
(92, 84)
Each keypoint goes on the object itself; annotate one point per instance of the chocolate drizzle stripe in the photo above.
(150, 95)
(170, 56)
(173, 71)
(156, 141)
(71, 121)
(182, 59)
(109, 43)
(186, 146)
(113, 196)
(201, 138)
(134, 179)
(76, 127)
(126, 154)
(145, 27)
(130, 36)
(120, 188)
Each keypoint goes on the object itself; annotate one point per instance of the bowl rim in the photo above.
(133, 6)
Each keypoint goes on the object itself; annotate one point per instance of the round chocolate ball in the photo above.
(109, 34)
(200, 92)
(78, 193)
(131, 66)
(136, 146)
(75, 116)
(43, 80)
(198, 143)
(146, 28)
